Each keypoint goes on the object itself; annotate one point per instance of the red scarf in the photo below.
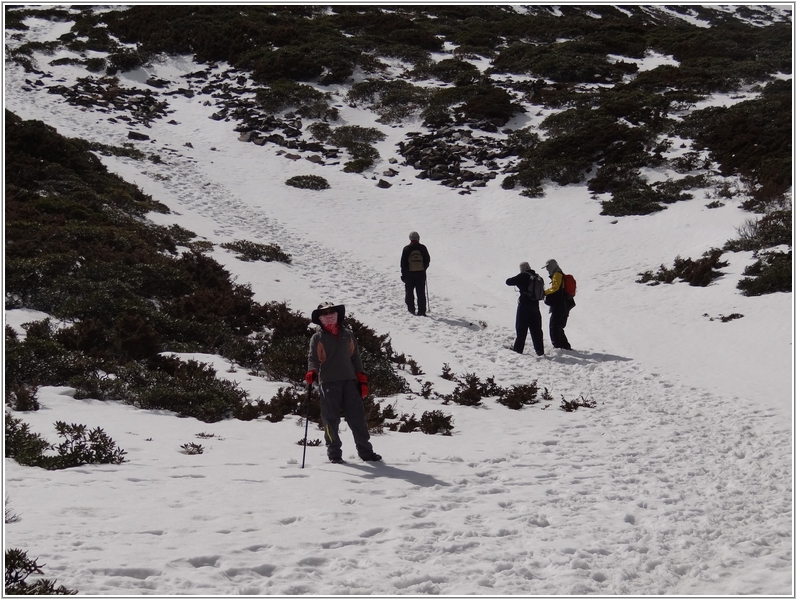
(333, 329)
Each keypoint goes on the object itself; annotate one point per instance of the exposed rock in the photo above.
(383, 184)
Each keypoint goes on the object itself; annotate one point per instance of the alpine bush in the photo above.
(80, 446)
(519, 396)
(308, 182)
(435, 421)
(252, 251)
(19, 567)
(699, 272)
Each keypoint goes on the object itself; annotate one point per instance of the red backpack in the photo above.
(569, 284)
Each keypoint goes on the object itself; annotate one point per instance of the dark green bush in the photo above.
(393, 100)
(491, 103)
(252, 251)
(771, 273)
(773, 229)
(22, 397)
(435, 421)
(80, 446)
(308, 182)
(284, 94)
(24, 446)
(468, 392)
(580, 402)
(19, 567)
(699, 272)
(287, 401)
(633, 201)
(519, 396)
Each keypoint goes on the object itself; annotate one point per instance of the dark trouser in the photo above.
(558, 323)
(344, 397)
(415, 284)
(528, 319)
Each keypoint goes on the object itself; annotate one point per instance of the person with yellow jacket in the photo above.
(559, 305)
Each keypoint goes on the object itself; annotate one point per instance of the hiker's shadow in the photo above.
(377, 470)
(580, 357)
(473, 326)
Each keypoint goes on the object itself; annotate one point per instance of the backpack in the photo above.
(570, 285)
(415, 261)
(536, 289)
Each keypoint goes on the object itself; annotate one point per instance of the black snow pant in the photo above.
(415, 284)
(343, 397)
(528, 320)
(557, 326)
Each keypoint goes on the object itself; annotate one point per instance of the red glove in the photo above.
(311, 376)
(362, 380)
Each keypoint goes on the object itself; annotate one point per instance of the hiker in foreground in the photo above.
(414, 262)
(334, 360)
(528, 318)
(559, 304)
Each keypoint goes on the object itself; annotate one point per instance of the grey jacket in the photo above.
(335, 357)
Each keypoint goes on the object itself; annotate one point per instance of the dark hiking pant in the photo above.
(557, 327)
(415, 284)
(528, 320)
(343, 397)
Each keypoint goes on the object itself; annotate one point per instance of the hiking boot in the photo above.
(337, 461)
(373, 457)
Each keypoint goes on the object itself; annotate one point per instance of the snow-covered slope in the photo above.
(679, 481)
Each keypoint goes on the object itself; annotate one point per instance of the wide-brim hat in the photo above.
(324, 306)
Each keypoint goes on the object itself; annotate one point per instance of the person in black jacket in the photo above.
(414, 262)
(527, 318)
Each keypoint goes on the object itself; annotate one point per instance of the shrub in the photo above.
(633, 201)
(699, 272)
(284, 94)
(192, 448)
(467, 393)
(392, 100)
(252, 251)
(773, 229)
(189, 389)
(81, 446)
(771, 273)
(358, 165)
(406, 424)
(19, 567)
(491, 103)
(519, 396)
(308, 182)
(287, 401)
(580, 402)
(22, 397)
(24, 446)
(96, 65)
(435, 421)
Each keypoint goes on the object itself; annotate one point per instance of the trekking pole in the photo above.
(306, 422)
(428, 304)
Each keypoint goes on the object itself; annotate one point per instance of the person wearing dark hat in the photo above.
(559, 305)
(527, 317)
(414, 262)
(334, 360)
